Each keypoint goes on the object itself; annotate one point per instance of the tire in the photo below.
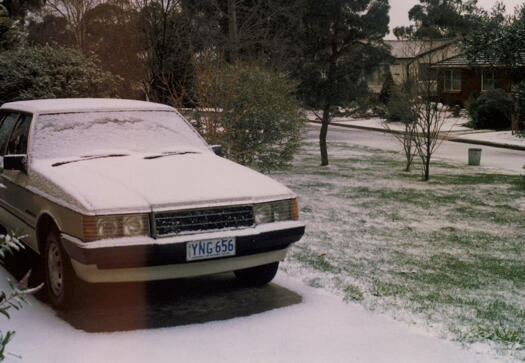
(60, 279)
(258, 275)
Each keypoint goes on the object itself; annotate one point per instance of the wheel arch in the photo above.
(45, 224)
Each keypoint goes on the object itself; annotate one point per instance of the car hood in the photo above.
(132, 183)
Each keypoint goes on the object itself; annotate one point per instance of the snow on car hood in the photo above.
(132, 183)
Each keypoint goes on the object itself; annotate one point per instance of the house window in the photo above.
(489, 80)
(452, 80)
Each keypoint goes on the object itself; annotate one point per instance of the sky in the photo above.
(399, 10)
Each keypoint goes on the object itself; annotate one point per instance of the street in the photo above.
(503, 159)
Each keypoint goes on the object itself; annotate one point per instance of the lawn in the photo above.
(448, 254)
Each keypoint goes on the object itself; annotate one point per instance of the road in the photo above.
(503, 159)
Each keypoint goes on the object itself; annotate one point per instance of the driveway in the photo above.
(213, 319)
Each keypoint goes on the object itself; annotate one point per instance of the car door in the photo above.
(15, 196)
(8, 120)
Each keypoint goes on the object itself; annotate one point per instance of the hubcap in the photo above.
(55, 269)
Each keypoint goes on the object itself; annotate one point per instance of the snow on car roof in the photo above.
(64, 105)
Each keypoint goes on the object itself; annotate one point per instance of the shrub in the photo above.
(12, 299)
(386, 89)
(48, 72)
(491, 110)
(399, 108)
(7, 32)
(519, 94)
(255, 118)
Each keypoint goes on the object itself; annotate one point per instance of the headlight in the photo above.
(101, 227)
(108, 227)
(263, 213)
(134, 225)
(282, 210)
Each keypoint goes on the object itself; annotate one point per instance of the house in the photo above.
(411, 60)
(458, 78)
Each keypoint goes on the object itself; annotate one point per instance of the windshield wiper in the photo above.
(169, 153)
(91, 157)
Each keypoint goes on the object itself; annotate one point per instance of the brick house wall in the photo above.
(470, 83)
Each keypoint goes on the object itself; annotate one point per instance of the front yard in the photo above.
(448, 254)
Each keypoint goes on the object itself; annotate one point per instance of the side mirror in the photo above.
(217, 149)
(15, 162)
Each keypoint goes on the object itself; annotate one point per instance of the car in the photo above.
(111, 190)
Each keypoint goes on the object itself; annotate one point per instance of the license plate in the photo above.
(211, 248)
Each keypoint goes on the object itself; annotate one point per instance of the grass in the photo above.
(449, 253)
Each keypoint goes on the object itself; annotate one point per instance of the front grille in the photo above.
(171, 223)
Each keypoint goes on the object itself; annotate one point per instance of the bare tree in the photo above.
(73, 11)
(416, 103)
(262, 30)
(160, 36)
(430, 114)
(212, 91)
(429, 124)
(405, 114)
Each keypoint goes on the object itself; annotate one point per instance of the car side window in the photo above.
(18, 140)
(5, 130)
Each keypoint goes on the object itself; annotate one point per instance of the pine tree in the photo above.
(341, 40)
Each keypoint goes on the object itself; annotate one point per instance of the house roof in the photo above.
(407, 49)
(461, 61)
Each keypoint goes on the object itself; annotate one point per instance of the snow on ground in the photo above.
(449, 124)
(501, 137)
(380, 236)
(321, 328)
(453, 127)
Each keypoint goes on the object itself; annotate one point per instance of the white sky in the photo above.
(399, 10)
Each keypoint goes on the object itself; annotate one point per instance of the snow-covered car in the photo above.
(109, 190)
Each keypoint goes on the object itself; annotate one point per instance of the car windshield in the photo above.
(86, 134)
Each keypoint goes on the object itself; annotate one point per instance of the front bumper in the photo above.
(91, 273)
(145, 258)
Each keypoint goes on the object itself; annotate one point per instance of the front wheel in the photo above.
(258, 275)
(61, 280)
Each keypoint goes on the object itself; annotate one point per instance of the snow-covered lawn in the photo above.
(448, 254)
(450, 124)
(502, 137)
(446, 258)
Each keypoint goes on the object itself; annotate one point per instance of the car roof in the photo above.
(67, 105)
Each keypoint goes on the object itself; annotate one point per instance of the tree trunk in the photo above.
(232, 30)
(426, 167)
(428, 155)
(322, 135)
(332, 70)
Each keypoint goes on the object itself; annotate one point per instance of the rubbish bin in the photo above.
(474, 156)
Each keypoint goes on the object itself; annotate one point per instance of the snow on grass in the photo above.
(448, 253)
(503, 137)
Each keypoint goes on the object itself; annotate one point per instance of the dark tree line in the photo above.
(152, 46)
(342, 41)
(441, 19)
